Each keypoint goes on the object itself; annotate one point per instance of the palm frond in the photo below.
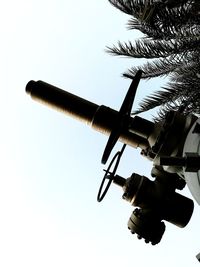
(171, 45)
(173, 96)
(148, 48)
(156, 68)
(122, 5)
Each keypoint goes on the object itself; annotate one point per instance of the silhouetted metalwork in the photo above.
(173, 146)
(122, 121)
(101, 118)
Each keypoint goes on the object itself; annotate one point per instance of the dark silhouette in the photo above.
(171, 45)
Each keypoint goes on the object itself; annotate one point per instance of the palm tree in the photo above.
(171, 45)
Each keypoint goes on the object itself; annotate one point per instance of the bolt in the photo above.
(136, 212)
(125, 196)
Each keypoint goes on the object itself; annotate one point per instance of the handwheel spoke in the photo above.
(109, 175)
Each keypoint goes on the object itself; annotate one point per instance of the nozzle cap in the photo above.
(29, 86)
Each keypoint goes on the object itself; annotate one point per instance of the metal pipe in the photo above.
(61, 100)
(101, 118)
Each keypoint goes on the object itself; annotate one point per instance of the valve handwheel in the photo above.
(110, 174)
(120, 125)
(121, 120)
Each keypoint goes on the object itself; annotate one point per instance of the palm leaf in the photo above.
(156, 68)
(171, 45)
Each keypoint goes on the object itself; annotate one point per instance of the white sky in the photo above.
(50, 164)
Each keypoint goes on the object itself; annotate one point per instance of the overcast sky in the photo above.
(50, 164)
